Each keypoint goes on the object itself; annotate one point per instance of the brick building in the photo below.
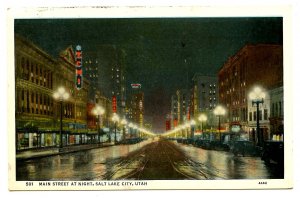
(253, 65)
(38, 76)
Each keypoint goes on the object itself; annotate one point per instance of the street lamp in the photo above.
(124, 122)
(131, 129)
(193, 123)
(219, 111)
(98, 111)
(135, 130)
(257, 96)
(202, 118)
(61, 95)
(115, 119)
(187, 126)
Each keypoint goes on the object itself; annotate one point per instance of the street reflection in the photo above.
(84, 165)
(110, 163)
(224, 165)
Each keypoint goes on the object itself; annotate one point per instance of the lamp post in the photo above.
(115, 119)
(202, 118)
(124, 122)
(98, 111)
(135, 130)
(130, 125)
(219, 111)
(187, 126)
(257, 96)
(61, 95)
(193, 123)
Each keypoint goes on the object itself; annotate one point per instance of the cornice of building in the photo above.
(244, 52)
(19, 38)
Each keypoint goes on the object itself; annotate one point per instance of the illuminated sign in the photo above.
(175, 122)
(168, 125)
(136, 86)
(236, 128)
(78, 64)
(114, 104)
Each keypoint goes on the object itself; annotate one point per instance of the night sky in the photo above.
(161, 53)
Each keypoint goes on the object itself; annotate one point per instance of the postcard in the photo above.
(140, 98)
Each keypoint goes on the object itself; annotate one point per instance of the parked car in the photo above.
(273, 152)
(244, 148)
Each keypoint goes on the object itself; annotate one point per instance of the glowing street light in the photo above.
(115, 119)
(193, 123)
(98, 111)
(202, 118)
(61, 95)
(124, 122)
(257, 96)
(219, 111)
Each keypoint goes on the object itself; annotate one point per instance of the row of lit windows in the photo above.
(35, 103)
(93, 75)
(253, 115)
(90, 62)
(35, 73)
(90, 68)
(276, 109)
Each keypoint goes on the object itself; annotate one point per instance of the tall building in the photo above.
(137, 106)
(174, 111)
(183, 101)
(205, 92)
(34, 104)
(75, 107)
(261, 65)
(105, 68)
(205, 97)
(38, 76)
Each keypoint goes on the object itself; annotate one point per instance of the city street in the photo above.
(151, 159)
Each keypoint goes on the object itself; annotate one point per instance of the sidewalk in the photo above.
(45, 152)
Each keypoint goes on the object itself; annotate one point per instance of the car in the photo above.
(273, 152)
(244, 148)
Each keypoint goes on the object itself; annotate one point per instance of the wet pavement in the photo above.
(151, 159)
(224, 165)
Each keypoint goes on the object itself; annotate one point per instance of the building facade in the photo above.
(34, 104)
(264, 114)
(105, 69)
(277, 113)
(253, 65)
(174, 111)
(38, 77)
(137, 109)
(183, 103)
(75, 108)
(205, 98)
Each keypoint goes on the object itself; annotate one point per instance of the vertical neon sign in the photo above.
(78, 60)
